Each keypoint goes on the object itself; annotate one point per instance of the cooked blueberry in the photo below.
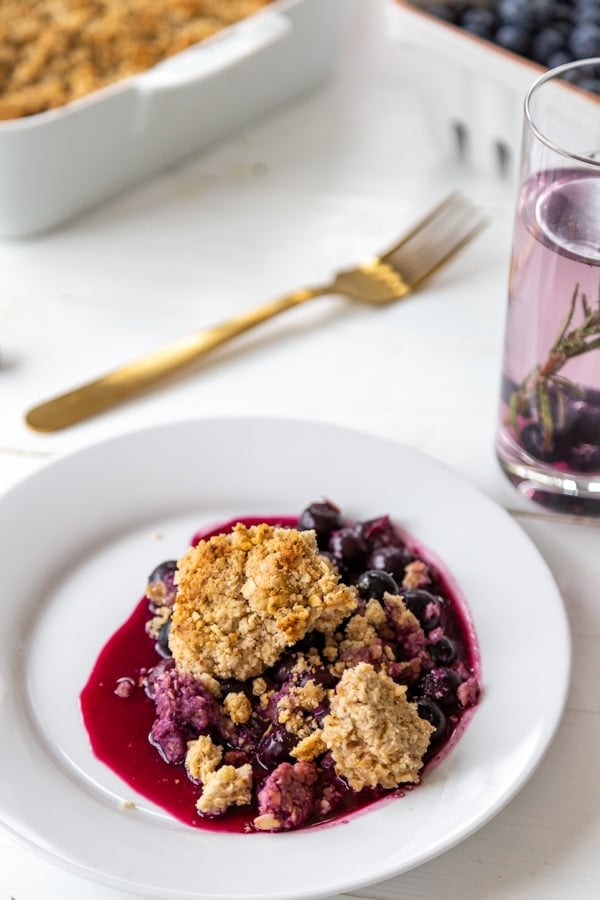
(431, 712)
(162, 639)
(348, 545)
(274, 747)
(378, 532)
(323, 518)
(320, 675)
(425, 606)
(439, 685)
(163, 571)
(443, 652)
(391, 559)
(233, 686)
(375, 583)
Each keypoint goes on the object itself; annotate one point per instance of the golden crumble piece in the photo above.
(310, 747)
(225, 787)
(416, 575)
(244, 597)
(376, 737)
(202, 758)
(238, 707)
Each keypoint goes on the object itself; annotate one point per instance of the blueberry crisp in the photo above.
(305, 668)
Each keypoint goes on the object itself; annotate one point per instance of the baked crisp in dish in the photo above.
(309, 667)
(54, 51)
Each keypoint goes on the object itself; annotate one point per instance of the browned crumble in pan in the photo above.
(54, 51)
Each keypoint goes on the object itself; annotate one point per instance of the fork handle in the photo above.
(156, 366)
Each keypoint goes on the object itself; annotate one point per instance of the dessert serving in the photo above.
(54, 51)
(284, 672)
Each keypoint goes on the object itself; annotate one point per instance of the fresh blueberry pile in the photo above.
(548, 32)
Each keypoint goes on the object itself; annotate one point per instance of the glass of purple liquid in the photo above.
(548, 440)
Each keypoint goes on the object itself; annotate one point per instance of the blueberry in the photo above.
(443, 652)
(517, 12)
(323, 518)
(533, 442)
(378, 532)
(375, 583)
(163, 571)
(321, 676)
(391, 559)
(162, 639)
(589, 84)
(431, 712)
(444, 11)
(479, 21)
(547, 42)
(560, 58)
(425, 606)
(233, 686)
(586, 426)
(585, 40)
(584, 457)
(348, 545)
(439, 685)
(513, 38)
(274, 747)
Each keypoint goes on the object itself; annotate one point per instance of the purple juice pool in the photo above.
(549, 434)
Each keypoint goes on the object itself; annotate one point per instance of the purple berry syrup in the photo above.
(118, 715)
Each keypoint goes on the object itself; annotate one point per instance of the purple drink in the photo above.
(549, 435)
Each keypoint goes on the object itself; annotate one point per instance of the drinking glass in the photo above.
(548, 440)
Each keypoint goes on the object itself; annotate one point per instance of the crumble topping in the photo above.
(202, 758)
(54, 51)
(238, 707)
(375, 736)
(310, 747)
(244, 597)
(225, 787)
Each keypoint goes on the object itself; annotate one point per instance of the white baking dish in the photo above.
(472, 91)
(57, 163)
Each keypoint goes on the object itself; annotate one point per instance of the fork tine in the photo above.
(435, 239)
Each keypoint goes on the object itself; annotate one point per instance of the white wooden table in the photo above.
(282, 204)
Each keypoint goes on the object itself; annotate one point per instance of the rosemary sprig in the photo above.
(570, 343)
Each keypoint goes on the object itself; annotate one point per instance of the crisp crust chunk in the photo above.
(225, 787)
(244, 597)
(376, 737)
(202, 758)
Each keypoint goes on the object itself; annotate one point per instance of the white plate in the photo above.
(79, 538)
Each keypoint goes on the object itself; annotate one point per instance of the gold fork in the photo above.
(383, 279)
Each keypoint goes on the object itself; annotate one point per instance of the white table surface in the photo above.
(283, 203)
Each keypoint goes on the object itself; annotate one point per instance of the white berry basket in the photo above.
(472, 91)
